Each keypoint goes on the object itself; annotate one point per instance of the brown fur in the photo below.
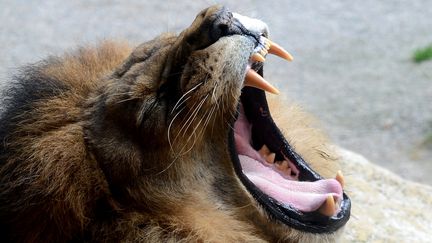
(92, 162)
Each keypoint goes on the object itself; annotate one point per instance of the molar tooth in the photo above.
(257, 57)
(282, 165)
(264, 151)
(328, 208)
(270, 158)
(285, 167)
(340, 178)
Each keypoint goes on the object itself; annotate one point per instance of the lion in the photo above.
(170, 141)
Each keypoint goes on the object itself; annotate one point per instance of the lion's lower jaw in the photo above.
(272, 231)
(200, 219)
(303, 237)
(317, 238)
(233, 231)
(215, 225)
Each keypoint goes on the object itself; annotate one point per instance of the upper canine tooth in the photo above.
(279, 51)
(340, 178)
(270, 158)
(257, 57)
(253, 79)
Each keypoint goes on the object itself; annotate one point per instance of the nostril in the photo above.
(223, 28)
(220, 28)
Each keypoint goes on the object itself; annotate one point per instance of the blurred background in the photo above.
(354, 66)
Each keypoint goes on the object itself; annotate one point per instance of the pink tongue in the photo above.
(302, 195)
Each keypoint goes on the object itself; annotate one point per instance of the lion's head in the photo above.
(186, 146)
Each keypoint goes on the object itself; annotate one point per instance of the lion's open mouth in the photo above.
(277, 177)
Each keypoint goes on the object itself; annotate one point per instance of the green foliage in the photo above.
(427, 142)
(423, 54)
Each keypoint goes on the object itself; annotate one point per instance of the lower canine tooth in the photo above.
(340, 178)
(328, 208)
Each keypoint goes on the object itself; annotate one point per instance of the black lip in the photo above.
(256, 109)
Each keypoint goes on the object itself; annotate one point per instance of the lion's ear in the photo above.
(143, 54)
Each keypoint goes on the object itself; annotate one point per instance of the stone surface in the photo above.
(385, 207)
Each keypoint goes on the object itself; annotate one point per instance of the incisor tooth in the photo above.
(340, 178)
(253, 79)
(264, 151)
(257, 57)
(270, 158)
(279, 51)
(328, 208)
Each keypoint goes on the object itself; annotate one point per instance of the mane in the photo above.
(43, 153)
(51, 186)
(76, 73)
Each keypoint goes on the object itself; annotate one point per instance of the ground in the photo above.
(352, 66)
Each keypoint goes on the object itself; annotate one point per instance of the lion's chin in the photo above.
(277, 177)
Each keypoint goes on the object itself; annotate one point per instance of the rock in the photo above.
(385, 207)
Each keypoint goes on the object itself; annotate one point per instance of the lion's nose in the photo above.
(223, 24)
(216, 22)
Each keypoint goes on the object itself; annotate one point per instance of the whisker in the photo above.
(178, 104)
(206, 119)
(172, 162)
(190, 90)
(128, 99)
(169, 128)
(187, 117)
(204, 125)
(190, 120)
